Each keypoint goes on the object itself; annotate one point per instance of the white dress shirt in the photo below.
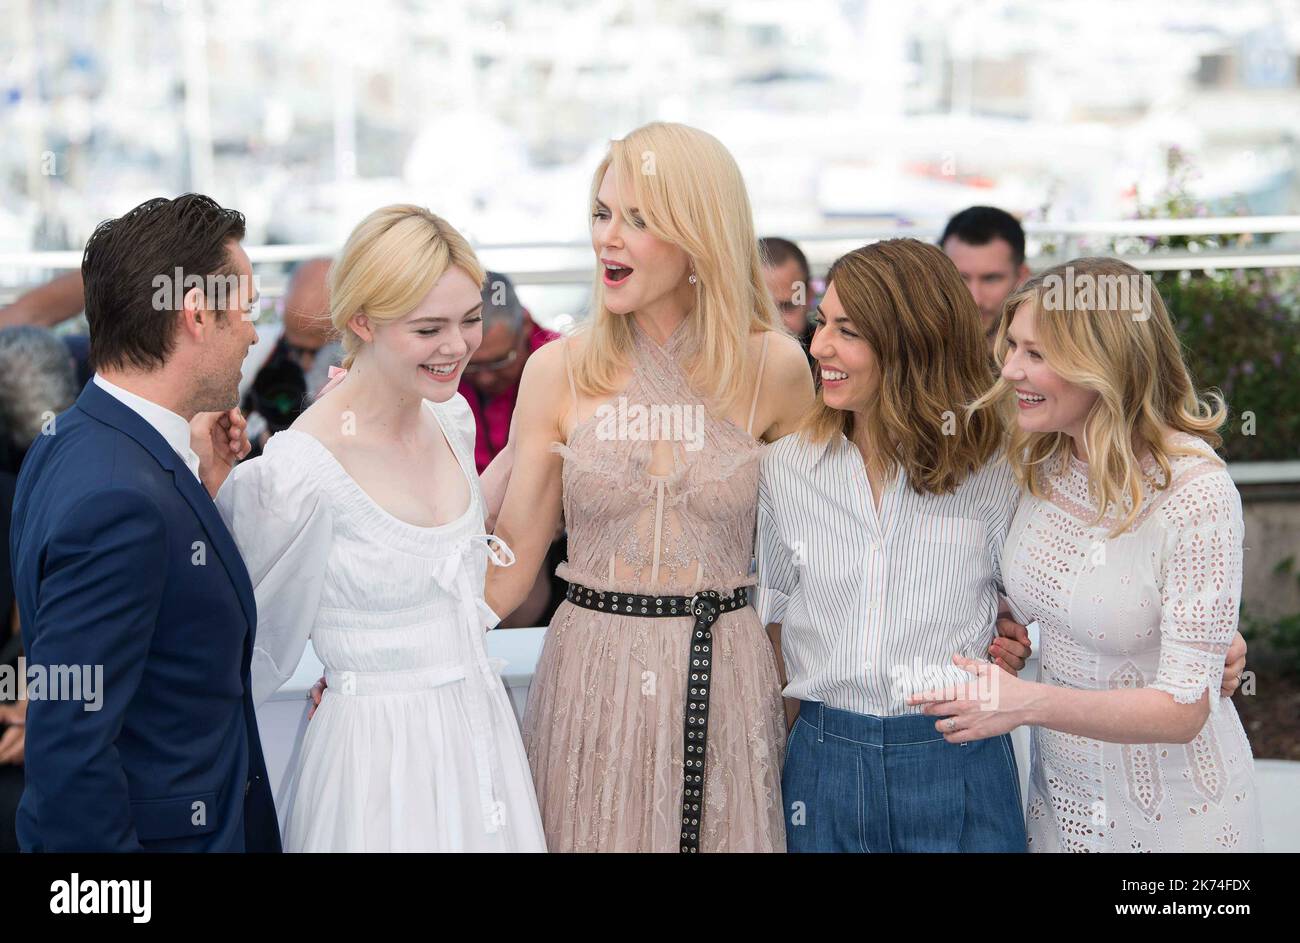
(170, 425)
(873, 605)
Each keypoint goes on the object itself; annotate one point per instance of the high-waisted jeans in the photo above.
(857, 782)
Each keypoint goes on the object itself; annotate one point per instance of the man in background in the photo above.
(37, 382)
(52, 303)
(294, 369)
(491, 380)
(788, 278)
(988, 247)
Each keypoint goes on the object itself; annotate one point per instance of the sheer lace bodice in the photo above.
(689, 529)
(605, 713)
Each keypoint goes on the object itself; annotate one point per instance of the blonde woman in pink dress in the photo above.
(1127, 551)
(655, 719)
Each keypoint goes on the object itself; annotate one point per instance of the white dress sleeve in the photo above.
(282, 522)
(777, 575)
(1201, 586)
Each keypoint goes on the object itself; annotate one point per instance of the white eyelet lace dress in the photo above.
(1154, 607)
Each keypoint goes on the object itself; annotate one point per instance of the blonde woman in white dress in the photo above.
(1127, 551)
(362, 527)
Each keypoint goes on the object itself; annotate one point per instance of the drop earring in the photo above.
(692, 279)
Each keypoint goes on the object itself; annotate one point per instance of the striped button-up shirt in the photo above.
(872, 605)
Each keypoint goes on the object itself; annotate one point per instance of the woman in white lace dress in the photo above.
(1127, 551)
(362, 528)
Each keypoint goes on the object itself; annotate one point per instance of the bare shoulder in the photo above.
(543, 395)
(785, 393)
(785, 357)
(321, 419)
(545, 370)
(785, 386)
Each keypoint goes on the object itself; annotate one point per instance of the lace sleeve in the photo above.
(1201, 586)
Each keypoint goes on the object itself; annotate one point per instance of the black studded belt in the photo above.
(705, 607)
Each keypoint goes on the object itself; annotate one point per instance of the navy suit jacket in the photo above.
(121, 560)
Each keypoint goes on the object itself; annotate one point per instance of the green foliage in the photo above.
(1279, 635)
(1240, 329)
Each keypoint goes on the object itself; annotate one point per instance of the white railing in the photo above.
(1265, 473)
(822, 248)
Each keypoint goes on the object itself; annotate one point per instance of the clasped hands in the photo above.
(994, 702)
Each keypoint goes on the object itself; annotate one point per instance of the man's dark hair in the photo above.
(980, 225)
(123, 258)
(777, 251)
(501, 304)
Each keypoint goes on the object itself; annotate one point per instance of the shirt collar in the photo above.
(171, 426)
(818, 451)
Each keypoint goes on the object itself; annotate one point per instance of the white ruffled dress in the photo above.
(415, 746)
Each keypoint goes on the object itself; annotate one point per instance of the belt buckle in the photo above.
(702, 595)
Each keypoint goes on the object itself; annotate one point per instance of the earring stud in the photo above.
(692, 279)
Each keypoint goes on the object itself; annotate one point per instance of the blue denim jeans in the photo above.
(856, 782)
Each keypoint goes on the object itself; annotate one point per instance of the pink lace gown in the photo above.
(603, 728)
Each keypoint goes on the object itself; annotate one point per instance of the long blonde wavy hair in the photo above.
(690, 193)
(906, 299)
(1101, 324)
(390, 262)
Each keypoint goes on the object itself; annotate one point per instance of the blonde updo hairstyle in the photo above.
(389, 263)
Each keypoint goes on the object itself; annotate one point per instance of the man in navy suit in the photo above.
(122, 561)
